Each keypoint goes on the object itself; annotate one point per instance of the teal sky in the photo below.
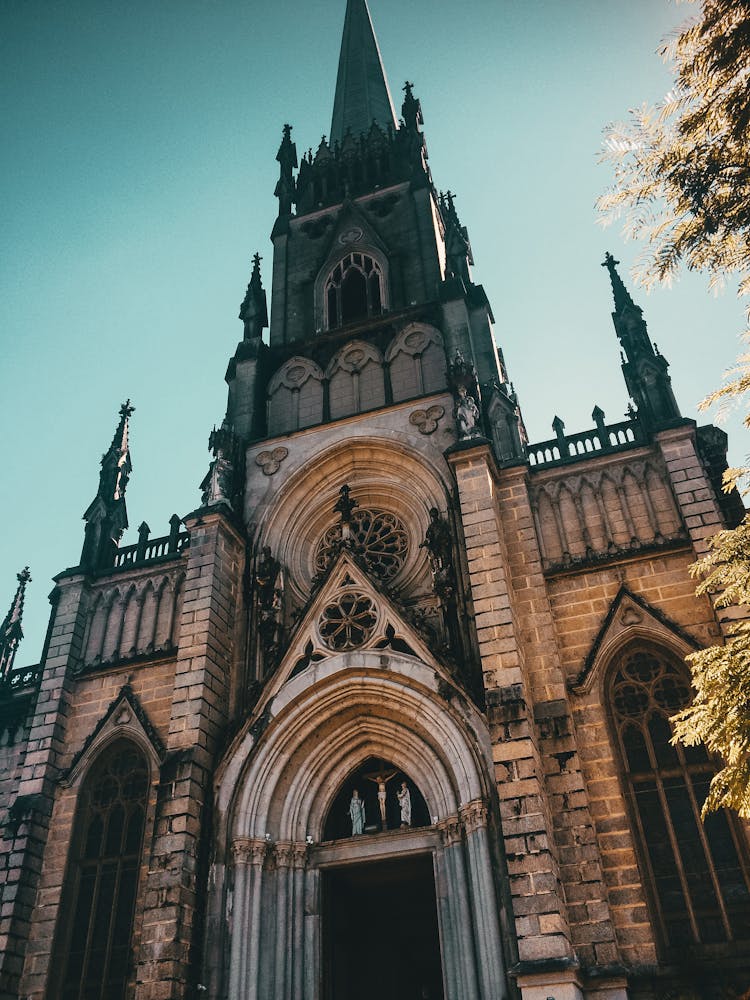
(137, 172)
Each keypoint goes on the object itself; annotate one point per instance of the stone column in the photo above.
(487, 923)
(461, 915)
(298, 958)
(284, 916)
(448, 934)
(312, 935)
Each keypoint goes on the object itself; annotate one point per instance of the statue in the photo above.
(266, 573)
(357, 813)
(269, 584)
(466, 413)
(404, 800)
(438, 543)
(381, 779)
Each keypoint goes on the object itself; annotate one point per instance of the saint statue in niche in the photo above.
(381, 778)
(357, 813)
(404, 801)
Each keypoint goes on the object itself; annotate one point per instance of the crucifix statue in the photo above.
(381, 778)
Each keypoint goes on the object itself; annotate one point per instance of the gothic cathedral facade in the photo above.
(387, 715)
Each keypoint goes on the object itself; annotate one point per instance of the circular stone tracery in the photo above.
(379, 537)
(348, 622)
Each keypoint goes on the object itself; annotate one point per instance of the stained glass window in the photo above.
(94, 939)
(698, 879)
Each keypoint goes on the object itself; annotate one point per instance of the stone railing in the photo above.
(22, 678)
(604, 438)
(148, 549)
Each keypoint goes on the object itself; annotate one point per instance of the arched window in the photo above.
(417, 362)
(698, 882)
(92, 960)
(295, 396)
(354, 290)
(355, 380)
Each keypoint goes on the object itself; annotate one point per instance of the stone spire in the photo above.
(362, 94)
(11, 631)
(106, 516)
(644, 368)
(254, 310)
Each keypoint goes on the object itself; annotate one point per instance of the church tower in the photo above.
(387, 714)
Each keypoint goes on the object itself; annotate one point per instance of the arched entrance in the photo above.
(284, 881)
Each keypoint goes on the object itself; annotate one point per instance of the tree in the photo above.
(719, 716)
(682, 184)
(682, 168)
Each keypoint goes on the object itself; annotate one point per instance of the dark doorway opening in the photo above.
(381, 931)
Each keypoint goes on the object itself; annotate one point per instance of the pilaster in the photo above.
(534, 875)
(200, 709)
(31, 811)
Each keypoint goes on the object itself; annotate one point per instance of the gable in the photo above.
(349, 614)
(629, 618)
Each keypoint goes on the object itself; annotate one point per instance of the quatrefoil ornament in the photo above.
(269, 461)
(426, 421)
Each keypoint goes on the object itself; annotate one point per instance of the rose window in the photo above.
(378, 536)
(348, 621)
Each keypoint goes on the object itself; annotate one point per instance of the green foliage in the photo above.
(682, 168)
(682, 186)
(719, 716)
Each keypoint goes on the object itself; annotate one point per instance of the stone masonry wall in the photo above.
(91, 696)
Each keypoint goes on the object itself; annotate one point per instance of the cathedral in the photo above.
(385, 716)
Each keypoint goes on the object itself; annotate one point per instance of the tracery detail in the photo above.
(348, 621)
(378, 536)
(94, 950)
(700, 885)
(354, 290)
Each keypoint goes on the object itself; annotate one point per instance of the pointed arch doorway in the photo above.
(417, 904)
(380, 921)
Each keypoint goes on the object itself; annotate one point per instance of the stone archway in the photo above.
(275, 791)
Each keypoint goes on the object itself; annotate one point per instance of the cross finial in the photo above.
(127, 409)
(609, 261)
(24, 576)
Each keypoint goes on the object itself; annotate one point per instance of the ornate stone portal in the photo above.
(284, 800)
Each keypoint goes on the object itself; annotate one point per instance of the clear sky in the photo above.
(137, 172)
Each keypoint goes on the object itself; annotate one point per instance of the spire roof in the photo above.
(620, 292)
(362, 94)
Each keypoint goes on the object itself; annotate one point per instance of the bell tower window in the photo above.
(354, 290)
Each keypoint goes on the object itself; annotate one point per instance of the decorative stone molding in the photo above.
(451, 831)
(124, 719)
(250, 851)
(270, 461)
(426, 421)
(283, 854)
(629, 618)
(473, 816)
(612, 510)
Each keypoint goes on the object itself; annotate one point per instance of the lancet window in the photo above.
(354, 290)
(94, 940)
(696, 871)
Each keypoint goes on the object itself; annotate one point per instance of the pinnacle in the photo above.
(362, 94)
